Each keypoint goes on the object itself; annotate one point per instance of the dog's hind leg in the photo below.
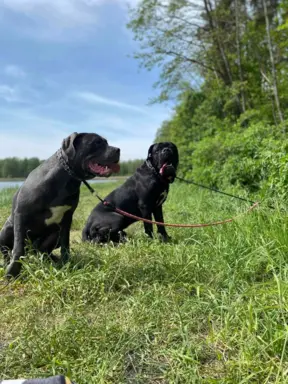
(6, 241)
(47, 245)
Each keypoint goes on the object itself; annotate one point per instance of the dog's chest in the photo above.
(57, 214)
(162, 198)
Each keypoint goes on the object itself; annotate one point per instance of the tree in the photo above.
(239, 50)
(167, 34)
(272, 62)
(32, 163)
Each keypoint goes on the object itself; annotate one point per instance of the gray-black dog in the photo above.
(143, 194)
(43, 207)
(48, 380)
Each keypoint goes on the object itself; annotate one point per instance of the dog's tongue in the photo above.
(162, 169)
(96, 168)
(103, 169)
(115, 167)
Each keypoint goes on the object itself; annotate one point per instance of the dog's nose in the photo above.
(117, 150)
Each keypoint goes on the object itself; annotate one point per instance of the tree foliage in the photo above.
(13, 167)
(230, 125)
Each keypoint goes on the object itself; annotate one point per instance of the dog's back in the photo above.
(104, 222)
(103, 219)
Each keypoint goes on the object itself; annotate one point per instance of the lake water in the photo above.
(15, 184)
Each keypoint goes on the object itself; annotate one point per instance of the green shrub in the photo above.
(254, 159)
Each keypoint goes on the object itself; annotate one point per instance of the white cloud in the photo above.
(14, 71)
(25, 134)
(60, 20)
(8, 93)
(93, 98)
(133, 148)
(18, 94)
(28, 144)
(66, 13)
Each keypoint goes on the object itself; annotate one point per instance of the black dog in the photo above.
(141, 195)
(43, 207)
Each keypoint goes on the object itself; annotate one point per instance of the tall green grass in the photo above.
(209, 307)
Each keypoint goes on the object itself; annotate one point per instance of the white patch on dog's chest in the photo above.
(162, 198)
(57, 214)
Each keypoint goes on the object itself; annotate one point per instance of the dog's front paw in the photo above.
(54, 258)
(64, 259)
(122, 236)
(164, 237)
(13, 270)
(149, 235)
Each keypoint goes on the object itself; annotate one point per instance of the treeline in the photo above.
(226, 63)
(129, 167)
(14, 167)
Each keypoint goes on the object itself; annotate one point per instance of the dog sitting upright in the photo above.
(142, 194)
(43, 207)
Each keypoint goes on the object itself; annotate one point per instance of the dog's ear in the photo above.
(150, 150)
(68, 145)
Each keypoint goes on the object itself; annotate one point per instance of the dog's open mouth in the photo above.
(162, 169)
(103, 170)
(167, 171)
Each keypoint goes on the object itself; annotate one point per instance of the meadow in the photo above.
(208, 307)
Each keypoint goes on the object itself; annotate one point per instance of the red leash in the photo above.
(127, 214)
(178, 225)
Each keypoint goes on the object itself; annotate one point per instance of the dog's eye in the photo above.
(100, 142)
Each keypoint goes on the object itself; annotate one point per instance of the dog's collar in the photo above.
(63, 162)
(150, 165)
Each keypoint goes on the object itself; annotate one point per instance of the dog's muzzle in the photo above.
(168, 172)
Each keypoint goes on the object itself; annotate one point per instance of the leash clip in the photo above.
(109, 205)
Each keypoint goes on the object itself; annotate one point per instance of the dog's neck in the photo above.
(63, 162)
(151, 166)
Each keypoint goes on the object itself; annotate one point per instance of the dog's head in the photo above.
(89, 155)
(164, 159)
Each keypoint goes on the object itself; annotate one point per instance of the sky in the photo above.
(64, 68)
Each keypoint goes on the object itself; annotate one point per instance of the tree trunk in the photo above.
(272, 62)
(239, 61)
(228, 78)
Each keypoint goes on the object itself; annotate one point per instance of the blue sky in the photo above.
(64, 68)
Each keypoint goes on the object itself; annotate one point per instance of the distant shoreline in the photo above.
(96, 178)
(15, 179)
(112, 177)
